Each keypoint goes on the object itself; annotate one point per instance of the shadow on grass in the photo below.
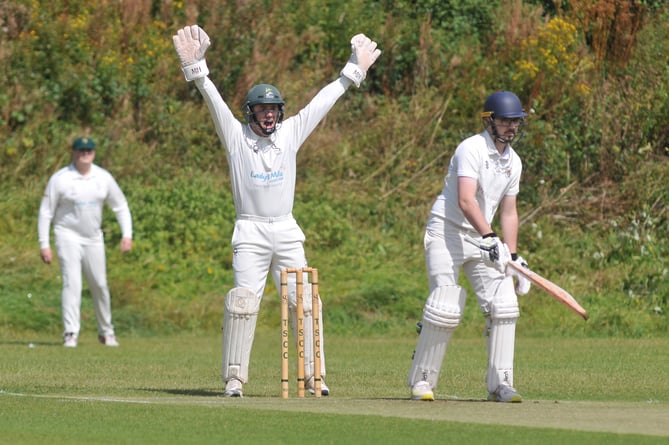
(427, 402)
(185, 392)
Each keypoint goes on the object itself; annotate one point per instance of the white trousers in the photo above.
(264, 246)
(77, 257)
(447, 253)
(261, 247)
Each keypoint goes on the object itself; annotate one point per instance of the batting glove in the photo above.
(363, 55)
(494, 252)
(522, 283)
(191, 43)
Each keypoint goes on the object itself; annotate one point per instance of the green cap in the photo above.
(83, 143)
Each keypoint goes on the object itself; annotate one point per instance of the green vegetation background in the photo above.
(594, 75)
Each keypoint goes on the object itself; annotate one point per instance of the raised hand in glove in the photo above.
(522, 283)
(494, 252)
(363, 55)
(191, 43)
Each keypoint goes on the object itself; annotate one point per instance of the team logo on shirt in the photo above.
(499, 168)
(267, 177)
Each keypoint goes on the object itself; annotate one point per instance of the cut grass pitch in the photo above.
(168, 390)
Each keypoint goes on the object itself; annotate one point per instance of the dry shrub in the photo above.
(611, 27)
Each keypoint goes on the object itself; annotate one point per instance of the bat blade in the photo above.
(546, 285)
(550, 288)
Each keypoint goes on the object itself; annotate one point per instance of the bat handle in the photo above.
(474, 242)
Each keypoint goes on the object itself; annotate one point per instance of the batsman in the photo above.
(261, 154)
(483, 177)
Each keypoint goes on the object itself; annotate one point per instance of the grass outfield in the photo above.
(168, 390)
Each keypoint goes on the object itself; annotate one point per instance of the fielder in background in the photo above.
(73, 200)
(483, 175)
(262, 155)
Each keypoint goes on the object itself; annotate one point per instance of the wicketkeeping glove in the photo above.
(363, 55)
(522, 283)
(191, 43)
(494, 252)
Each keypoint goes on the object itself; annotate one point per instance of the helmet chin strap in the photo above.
(495, 133)
(262, 129)
(497, 136)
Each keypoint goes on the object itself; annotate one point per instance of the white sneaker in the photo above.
(505, 394)
(233, 388)
(108, 340)
(325, 391)
(422, 391)
(70, 340)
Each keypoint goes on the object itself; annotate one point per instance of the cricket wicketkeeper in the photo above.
(261, 154)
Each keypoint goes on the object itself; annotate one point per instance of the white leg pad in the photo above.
(441, 315)
(239, 323)
(501, 336)
(308, 329)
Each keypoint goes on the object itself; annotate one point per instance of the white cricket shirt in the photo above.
(498, 175)
(263, 169)
(74, 203)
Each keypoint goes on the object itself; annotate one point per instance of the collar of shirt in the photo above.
(258, 143)
(492, 148)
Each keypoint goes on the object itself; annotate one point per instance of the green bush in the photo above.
(593, 202)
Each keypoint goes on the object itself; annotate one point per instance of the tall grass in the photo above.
(593, 201)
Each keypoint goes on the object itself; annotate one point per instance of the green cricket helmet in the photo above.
(263, 94)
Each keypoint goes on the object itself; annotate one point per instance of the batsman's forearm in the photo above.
(475, 217)
(470, 207)
(509, 222)
(510, 237)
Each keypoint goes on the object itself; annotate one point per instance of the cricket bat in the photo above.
(550, 288)
(546, 285)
